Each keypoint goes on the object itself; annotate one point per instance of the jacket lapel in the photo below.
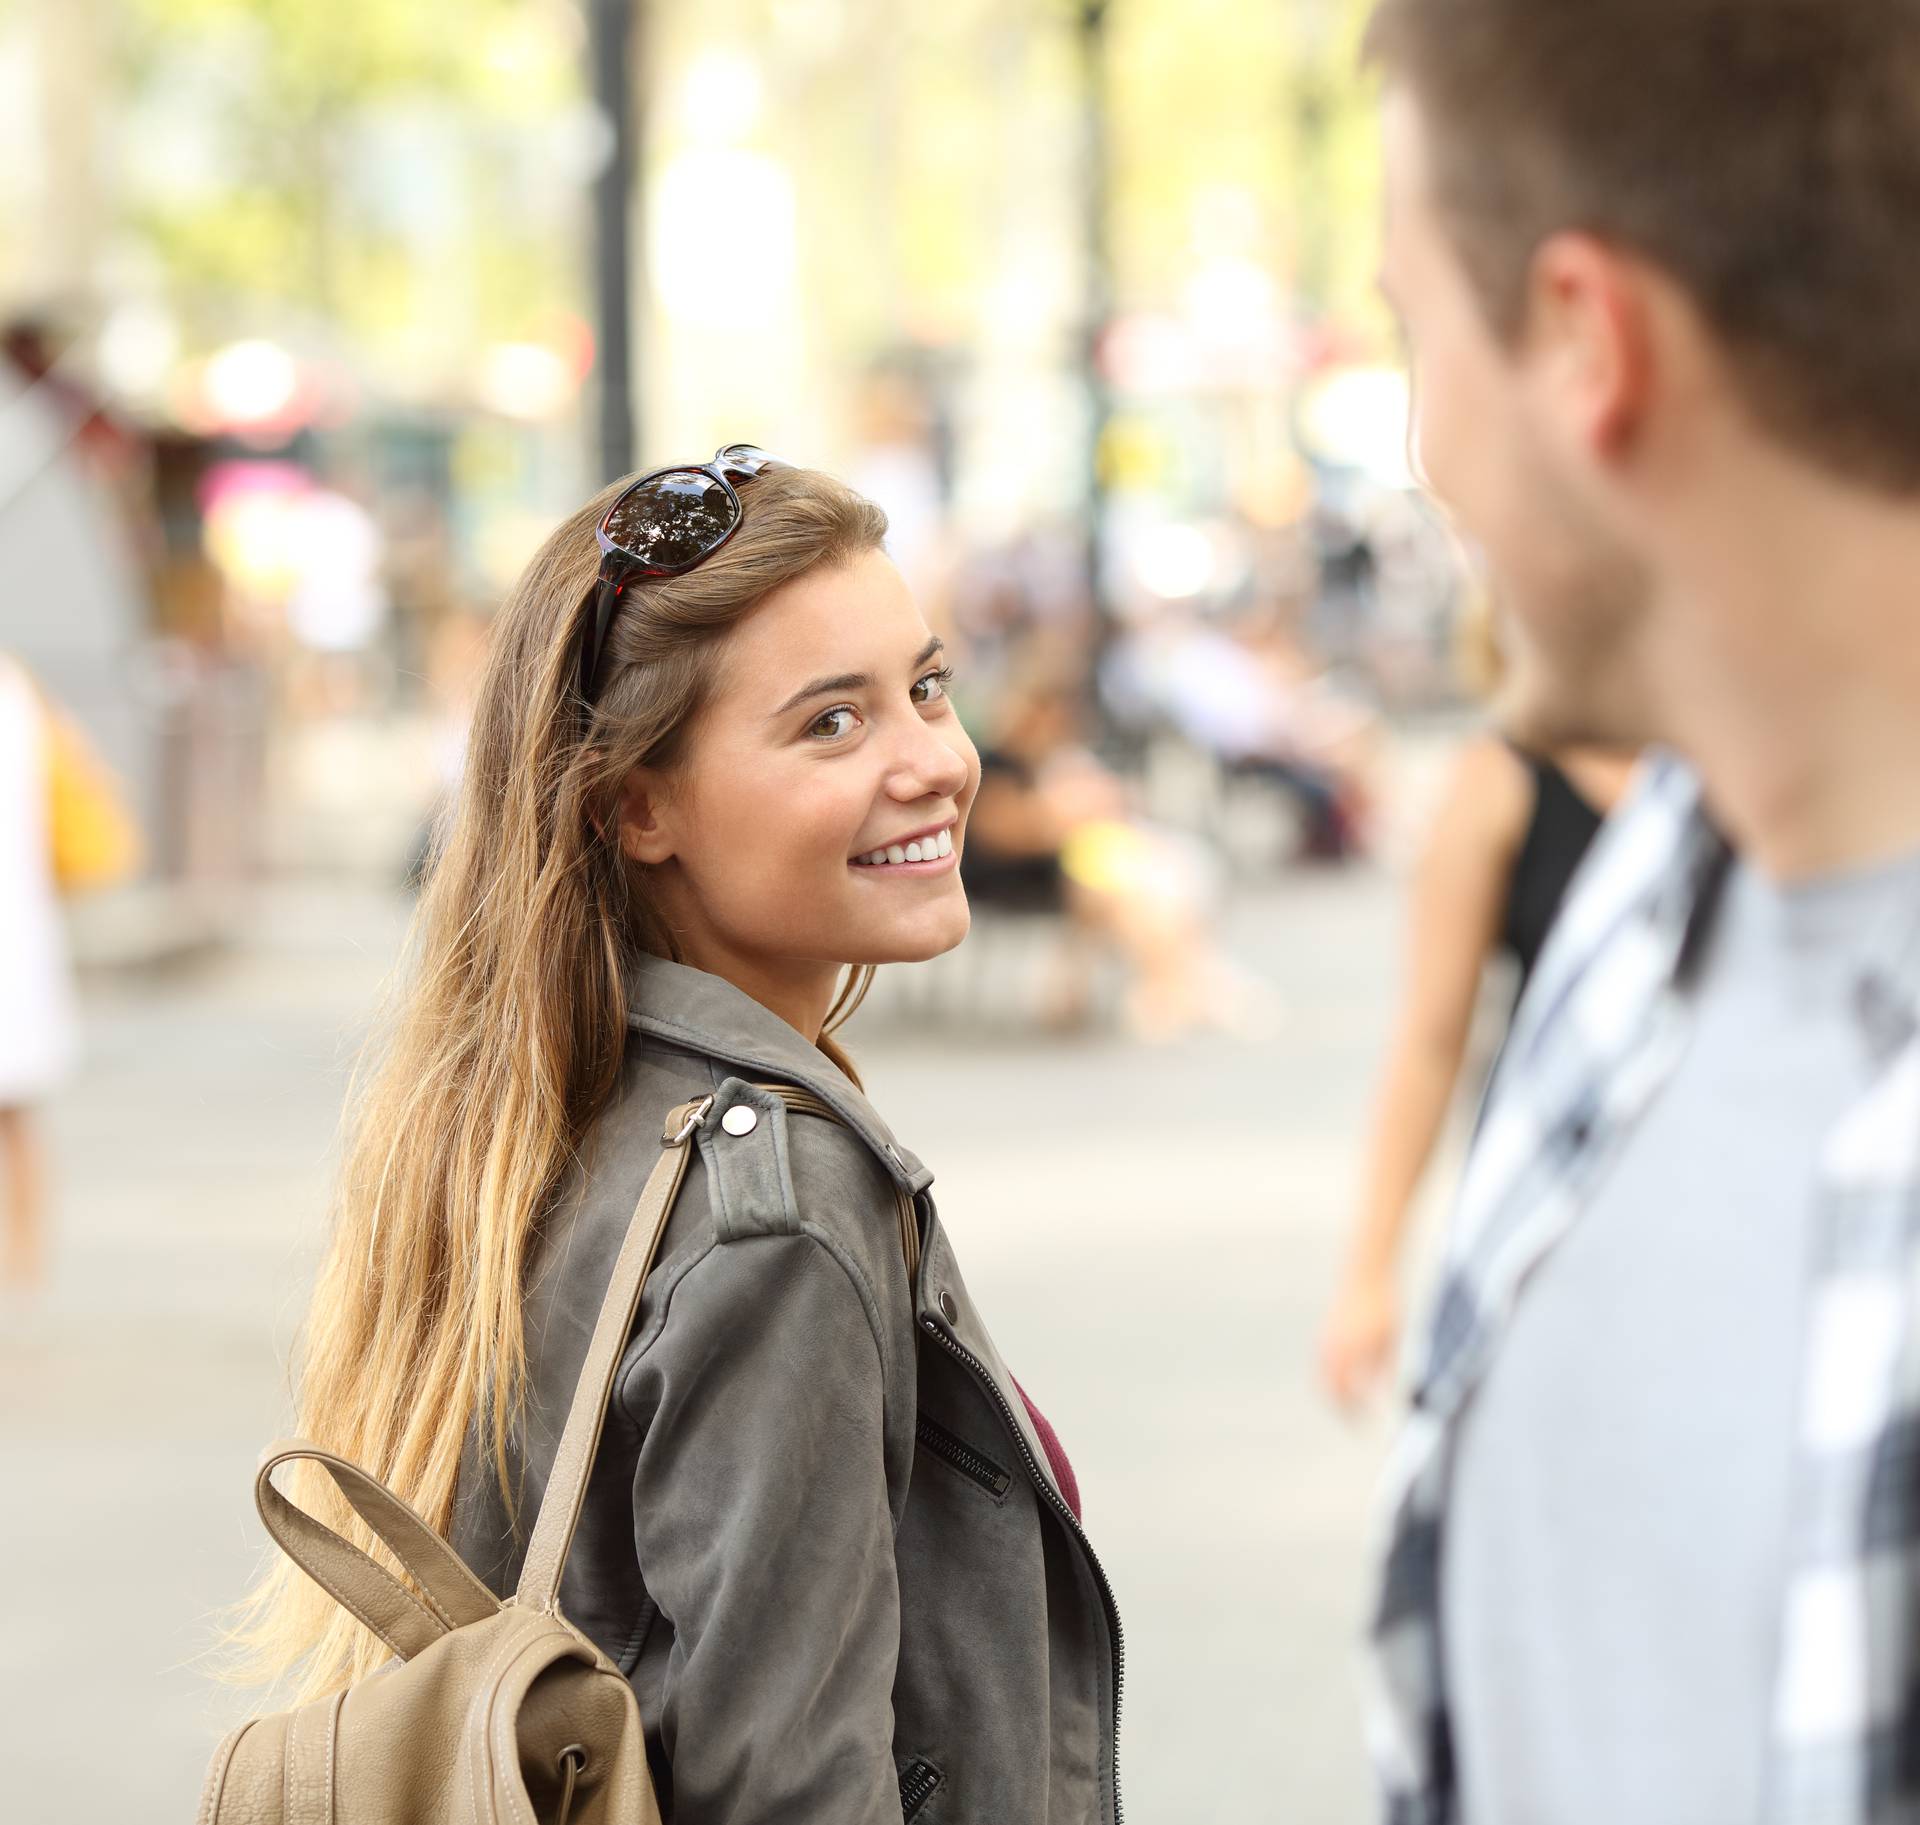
(693, 1008)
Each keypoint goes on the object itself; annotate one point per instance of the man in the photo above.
(1654, 1550)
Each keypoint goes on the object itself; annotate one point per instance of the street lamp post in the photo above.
(1097, 295)
(615, 37)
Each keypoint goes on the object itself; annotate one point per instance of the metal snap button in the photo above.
(950, 1308)
(742, 1118)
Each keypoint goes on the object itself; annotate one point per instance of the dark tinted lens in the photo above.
(673, 521)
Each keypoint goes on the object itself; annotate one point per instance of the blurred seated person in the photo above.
(1251, 699)
(1323, 741)
(1052, 832)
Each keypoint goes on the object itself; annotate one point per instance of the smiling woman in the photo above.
(758, 833)
(822, 1516)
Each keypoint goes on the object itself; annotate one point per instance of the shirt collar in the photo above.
(1886, 990)
(707, 1013)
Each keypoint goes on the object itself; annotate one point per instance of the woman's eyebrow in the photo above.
(853, 681)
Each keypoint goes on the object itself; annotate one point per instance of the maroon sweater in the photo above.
(1056, 1453)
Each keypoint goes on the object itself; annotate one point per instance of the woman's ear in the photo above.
(645, 828)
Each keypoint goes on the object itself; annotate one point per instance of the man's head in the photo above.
(1633, 242)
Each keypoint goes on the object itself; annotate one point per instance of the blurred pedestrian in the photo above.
(1654, 1540)
(1512, 829)
(713, 777)
(1509, 836)
(39, 1028)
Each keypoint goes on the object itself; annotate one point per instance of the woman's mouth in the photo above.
(922, 856)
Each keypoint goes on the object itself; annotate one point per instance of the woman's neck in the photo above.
(800, 991)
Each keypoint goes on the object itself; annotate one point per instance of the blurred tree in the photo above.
(357, 163)
(1222, 99)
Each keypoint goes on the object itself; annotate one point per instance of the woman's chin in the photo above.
(931, 933)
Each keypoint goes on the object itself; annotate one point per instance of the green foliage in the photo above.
(932, 146)
(1247, 95)
(321, 55)
(287, 232)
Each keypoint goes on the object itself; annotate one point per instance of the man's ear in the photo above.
(1590, 308)
(646, 830)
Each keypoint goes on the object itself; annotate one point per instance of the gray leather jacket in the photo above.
(821, 1537)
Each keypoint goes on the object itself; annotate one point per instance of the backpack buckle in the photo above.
(690, 1116)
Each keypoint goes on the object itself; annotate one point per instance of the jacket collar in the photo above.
(706, 1013)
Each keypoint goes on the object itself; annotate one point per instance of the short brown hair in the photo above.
(1764, 153)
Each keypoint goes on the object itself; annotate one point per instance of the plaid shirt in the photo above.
(1596, 1038)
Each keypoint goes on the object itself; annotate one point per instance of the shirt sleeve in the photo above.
(764, 1534)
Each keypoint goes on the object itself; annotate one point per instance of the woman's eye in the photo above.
(833, 725)
(933, 687)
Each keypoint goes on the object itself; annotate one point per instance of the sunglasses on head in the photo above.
(662, 526)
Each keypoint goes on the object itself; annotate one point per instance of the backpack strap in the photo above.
(579, 1440)
(567, 1482)
(450, 1595)
(804, 1102)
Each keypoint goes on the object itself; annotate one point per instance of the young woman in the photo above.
(826, 1538)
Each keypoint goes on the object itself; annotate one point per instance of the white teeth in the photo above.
(925, 849)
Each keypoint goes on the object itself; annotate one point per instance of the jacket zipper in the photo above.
(805, 1101)
(956, 1349)
(972, 1464)
(917, 1783)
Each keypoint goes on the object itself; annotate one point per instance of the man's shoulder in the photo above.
(1662, 813)
(1646, 867)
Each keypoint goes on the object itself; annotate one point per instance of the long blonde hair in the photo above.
(505, 1034)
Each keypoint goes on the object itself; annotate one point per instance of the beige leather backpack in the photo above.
(494, 1713)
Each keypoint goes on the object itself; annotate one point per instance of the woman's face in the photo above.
(829, 741)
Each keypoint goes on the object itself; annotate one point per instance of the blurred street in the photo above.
(1152, 1229)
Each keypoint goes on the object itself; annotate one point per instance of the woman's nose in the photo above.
(930, 765)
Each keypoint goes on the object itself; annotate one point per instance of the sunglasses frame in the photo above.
(730, 464)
